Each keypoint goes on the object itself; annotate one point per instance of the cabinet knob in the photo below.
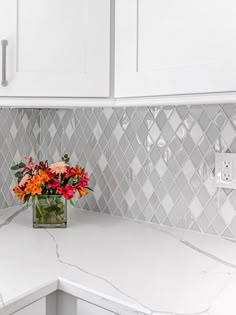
(4, 48)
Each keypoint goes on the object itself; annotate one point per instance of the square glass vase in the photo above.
(49, 211)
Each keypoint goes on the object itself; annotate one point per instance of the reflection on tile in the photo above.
(181, 132)
(189, 121)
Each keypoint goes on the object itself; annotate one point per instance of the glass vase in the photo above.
(49, 211)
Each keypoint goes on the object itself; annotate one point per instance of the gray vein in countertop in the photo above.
(89, 273)
(13, 216)
(148, 312)
(201, 251)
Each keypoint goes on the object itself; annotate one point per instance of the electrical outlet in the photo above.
(225, 170)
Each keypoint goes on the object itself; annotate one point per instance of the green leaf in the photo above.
(21, 165)
(19, 174)
(90, 189)
(18, 166)
(72, 202)
(15, 168)
(66, 158)
(27, 198)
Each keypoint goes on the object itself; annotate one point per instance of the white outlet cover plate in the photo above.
(219, 158)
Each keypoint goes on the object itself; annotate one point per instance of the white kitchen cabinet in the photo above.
(67, 304)
(85, 308)
(56, 48)
(168, 47)
(36, 308)
(60, 303)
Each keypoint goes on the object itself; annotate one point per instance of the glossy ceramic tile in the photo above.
(151, 164)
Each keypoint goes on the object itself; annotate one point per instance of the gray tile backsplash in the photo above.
(19, 136)
(151, 164)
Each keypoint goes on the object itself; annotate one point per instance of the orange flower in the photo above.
(19, 192)
(44, 176)
(82, 191)
(33, 186)
(78, 170)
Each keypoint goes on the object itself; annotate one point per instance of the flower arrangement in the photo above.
(54, 179)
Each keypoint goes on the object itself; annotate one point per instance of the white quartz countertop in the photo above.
(125, 266)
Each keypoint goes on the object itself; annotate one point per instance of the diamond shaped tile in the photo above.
(161, 119)
(229, 109)
(196, 133)
(212, 133)
(189, 121)
(148, 189)
(212, 110)
(196, 157)
(228, 134)
(181, 132)
(154, 132)
(167, 204)
(161, 167)
(196, 208)
(227, 212)
(220, 120)
(204, 121)
(175, 120)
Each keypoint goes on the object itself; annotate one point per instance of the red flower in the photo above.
(50, 173)
(54, 183)
(70, 172)
(68, 191)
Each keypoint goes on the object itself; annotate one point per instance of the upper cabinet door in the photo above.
(165, 47)
(55, 48)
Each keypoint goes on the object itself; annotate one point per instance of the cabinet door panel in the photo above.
(49, 45)
(175, 47)
(36, 308)
(58, 48)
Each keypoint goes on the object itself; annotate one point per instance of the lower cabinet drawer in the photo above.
(36, 308)
(85, 308)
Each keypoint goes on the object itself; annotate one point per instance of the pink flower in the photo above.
(59, 167)
(29, 161)
(24, 180)
(68, 191)
(84, 181)
(54, 183)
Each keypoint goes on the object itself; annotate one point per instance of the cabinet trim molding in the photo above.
(67, 103)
